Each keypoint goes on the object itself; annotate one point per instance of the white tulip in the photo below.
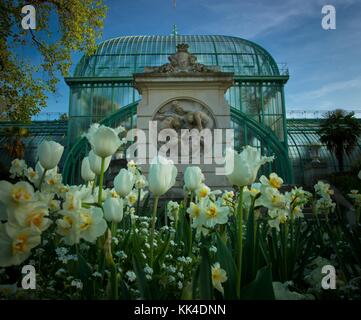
(113, 209)
(162, 175)
(242, 168)
(124, 182)
(49, 153)
(104, 140)
(193, 178)
(86, 173)
(359, 175)
(95, 163)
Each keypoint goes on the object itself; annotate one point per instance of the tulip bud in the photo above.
(193, 178)
(113, 209)
(86, 173)
(242, 168)
(95, 163)
(162, 175)
(124, 182)
(104, 141)
(49, 153)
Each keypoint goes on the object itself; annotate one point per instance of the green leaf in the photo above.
(84, 274)
(205, 282)
(225, 259)
(160, 257)
(261, 287)
(141, 279)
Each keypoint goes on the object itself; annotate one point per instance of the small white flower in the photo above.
(131, 276)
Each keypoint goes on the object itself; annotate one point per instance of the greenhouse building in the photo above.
(103, 90)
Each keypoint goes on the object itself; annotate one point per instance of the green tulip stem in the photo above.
(239, 241)
(101, 177)
(94, 184)
(42, 178)
(154, 216)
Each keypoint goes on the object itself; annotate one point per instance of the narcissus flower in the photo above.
(242, 168)
(214, 214)
(16, 244)
(34, 214)
(219, 276)
(162, 175)
(50, 153)
(16, 194)
(274, 181)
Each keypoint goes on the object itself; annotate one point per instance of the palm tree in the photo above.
(339, 131)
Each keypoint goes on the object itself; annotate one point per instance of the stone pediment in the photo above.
(182, 62)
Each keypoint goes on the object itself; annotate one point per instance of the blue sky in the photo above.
(325, 68)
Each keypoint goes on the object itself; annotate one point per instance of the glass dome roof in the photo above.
(123, 56)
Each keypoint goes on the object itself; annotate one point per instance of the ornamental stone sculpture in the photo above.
(181, 61)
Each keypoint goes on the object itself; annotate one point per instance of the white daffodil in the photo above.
(95, 163)
(173, 210)
(32, 176)
(73, 201)
(113, 209)
(16, 194)
(69, 227)
(132, 198)
(92, 224)
(193, 178)
(140, 182)
(124, 182)
(202, 192)
(49, 153)
(277, 217)
(274, 181)
(242, 168)
(162, 175)
(214, 214)
(18, 168)
(16, 244)
(323, 189)
(132, 167)
(219, 276)
(86, 173)
(271, 198)
(196, 213)
(34, 214)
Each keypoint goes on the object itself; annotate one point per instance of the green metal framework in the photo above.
(39, 131)
(247, 131)
(304, 132)
(102, 86)
(103, 82)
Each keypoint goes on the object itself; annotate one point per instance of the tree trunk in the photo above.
(339, 156)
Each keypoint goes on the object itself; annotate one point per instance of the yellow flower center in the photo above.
(203, 192)
(35, 219)
(212, 211)
(20, 194)
(283, 219)
(86, 221)
(20, 244)
(132, 199)
(216, 275)
(275, 182)
(196, 211)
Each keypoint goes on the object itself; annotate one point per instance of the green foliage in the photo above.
(22, 89)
